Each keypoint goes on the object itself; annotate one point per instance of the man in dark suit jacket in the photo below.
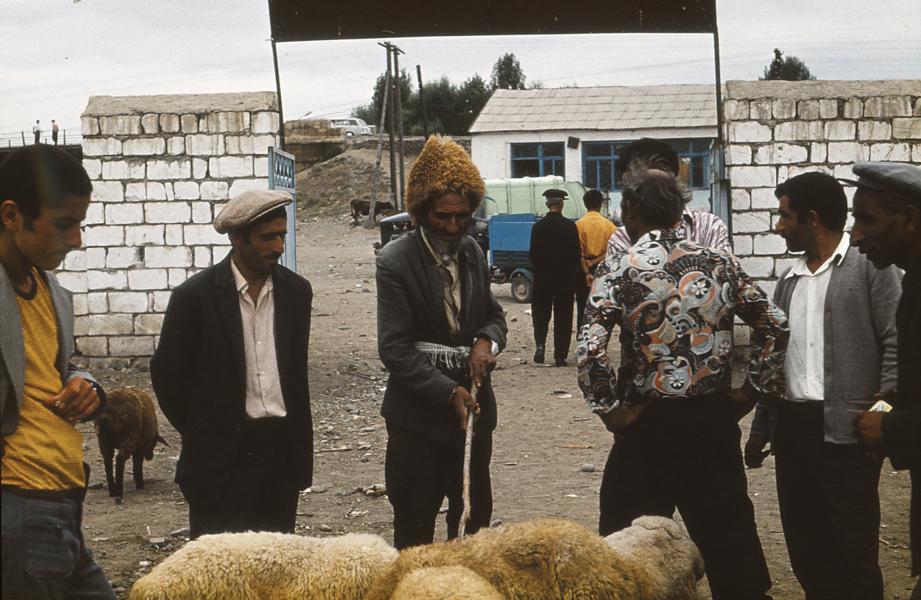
(887, 228)
(230, 374)
(439, 329)
(557, 259)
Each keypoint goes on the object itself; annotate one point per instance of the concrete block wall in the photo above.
(775, 130)
(161, 167)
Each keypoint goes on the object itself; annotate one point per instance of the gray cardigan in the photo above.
(12, 351)
(860, 342)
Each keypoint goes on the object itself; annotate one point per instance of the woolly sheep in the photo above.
(445, 583)
(266, 565)
(662, 549)
(129, 425)
(549, 558)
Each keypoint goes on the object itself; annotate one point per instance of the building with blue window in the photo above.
(577, 132)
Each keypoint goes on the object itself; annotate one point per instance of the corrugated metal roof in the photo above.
(605, 108)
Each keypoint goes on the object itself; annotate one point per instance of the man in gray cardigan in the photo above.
(842, 353)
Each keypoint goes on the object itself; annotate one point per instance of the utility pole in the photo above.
(391, 127)
(425, 120)
(398, 105)
(380, 143)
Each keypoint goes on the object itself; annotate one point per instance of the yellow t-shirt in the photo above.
(46, 451)
(594, 231)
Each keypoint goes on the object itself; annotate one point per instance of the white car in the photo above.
(352, 126)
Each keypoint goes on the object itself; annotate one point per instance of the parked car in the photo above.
(352, 126)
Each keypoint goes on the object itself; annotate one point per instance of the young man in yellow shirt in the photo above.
(44, 194)
(594, 232)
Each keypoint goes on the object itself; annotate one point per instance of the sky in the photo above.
(55, 54)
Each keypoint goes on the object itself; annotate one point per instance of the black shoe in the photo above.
(539, 355)
(560, 362)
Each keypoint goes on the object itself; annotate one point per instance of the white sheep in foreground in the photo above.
(445, 583)
(264, 565)
(554, 558)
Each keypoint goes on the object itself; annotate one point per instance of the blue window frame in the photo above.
(599, 161)
(538, 159)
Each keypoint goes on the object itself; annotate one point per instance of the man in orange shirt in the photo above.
(44, 194)
(594, 232)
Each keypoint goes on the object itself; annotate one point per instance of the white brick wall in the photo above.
(157, 175)
(796, 131)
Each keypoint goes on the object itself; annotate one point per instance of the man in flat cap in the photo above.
(887, 228)
(557, 260)
(230, 373)
(439, 330)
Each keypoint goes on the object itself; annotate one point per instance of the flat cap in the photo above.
(247, 207)
(555, 194)
(888, 177)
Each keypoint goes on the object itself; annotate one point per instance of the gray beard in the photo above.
(443, 246)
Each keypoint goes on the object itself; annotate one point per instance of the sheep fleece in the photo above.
(547, 558)
(445, 583)
(131, 420)
(265, 565)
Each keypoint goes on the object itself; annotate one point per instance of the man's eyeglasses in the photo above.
(447, 216)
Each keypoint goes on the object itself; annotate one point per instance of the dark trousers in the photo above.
(829, 507)
(582, 291)
(558, 300)
(261, 494)
(419, 475)
(686, 454)
(44, 554)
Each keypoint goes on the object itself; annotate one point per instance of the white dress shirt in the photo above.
(263, 383)
(805, 361)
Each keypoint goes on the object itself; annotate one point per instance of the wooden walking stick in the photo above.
(468, 448)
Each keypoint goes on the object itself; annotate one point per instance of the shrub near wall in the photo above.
(777, 129)
(161, 166)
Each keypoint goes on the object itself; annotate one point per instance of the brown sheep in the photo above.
(534, 560)
(445, 583)
(129, 425)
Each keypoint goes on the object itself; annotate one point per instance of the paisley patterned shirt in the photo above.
(675, 303)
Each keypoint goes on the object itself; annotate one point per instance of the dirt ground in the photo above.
(549, 451)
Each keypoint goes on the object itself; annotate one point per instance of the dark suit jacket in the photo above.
(555, 252)
(199, 375)
(902, 427)
(410, 308)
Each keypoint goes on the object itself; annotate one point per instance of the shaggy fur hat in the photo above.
(443, 166)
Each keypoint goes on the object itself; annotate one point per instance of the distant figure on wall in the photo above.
(54, 132)
(37, 131)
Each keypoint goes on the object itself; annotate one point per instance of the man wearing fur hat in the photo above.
(230, 374)
(439, 330)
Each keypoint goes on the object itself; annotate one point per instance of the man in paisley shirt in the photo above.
(670, 405)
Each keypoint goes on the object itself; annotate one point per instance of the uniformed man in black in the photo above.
(555, 255)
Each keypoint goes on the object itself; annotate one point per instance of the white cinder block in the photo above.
(177, 277)
(93, 167)
(736, 110)
(163, 257)
(120, 125)
(780, 153)
(75, 261)
(890, 106)
(818, 152)
(764, 198)
(148, 324)
(238, 144)
(136, 192)
(265, 122)
(740, 199)
(81, 325)
(93, 346)
(807, 110)
(746, 132)
(214, 190)
(199, 168)
(96, 258)
(202, 256)
(103, 235)
(175, 145)
(124, 214)
(122, 258)
(853, 108)
(760, 109)
(752, 176)
(97, 302)
(101, 147)
(169, 123)
(742, 245)
(792, 131)
(906, 129)
(751, 222)
(167, 212)
(260, 166)
(876, 130)
(245, 185)
(147, 279)
(893, 152)
(95, 214)
(261, 143)
(203, 144)
(228, 122)
(73, 281)
(108, 191)
(114, 169)
(757, 266)
(189, 123)
(144, 146)
(180, 168)
(106, 280)
(783, 108)
(150, 123)
(828, 108)
(144, 235)
(231, 166)
(201, 212)
(186, 190)
(156, 190)
(769, 243)
(131, 345)
(159, 300)
(81, 306)
(89, 126)
(844, 152)
(174, 235)
(219, 253)
(128, 302)
(840, 130)
(202, 235)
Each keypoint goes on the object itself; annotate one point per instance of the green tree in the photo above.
(471, 98)
(371, 113)
(507, 74)
(789, 68)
